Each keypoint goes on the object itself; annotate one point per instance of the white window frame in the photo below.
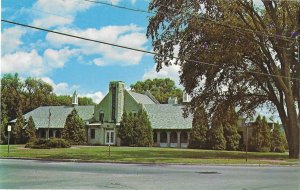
(110, 132)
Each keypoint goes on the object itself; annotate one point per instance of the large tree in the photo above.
(74, 130)
(30, 131)
(135, 129)
(161, 89)
(199, 130)
(233, 53)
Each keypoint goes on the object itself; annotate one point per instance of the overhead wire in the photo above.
(130, 48)
(201, 17)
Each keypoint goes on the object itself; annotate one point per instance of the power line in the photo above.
(201, 17)
(131, 48)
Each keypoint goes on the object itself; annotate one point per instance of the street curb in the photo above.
(143, 163)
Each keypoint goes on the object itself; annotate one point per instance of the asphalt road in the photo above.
(30, 174)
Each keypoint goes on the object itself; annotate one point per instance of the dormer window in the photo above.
(134, 113)
(101, 117)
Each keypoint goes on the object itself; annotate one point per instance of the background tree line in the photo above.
(21, 96)
(223, 134)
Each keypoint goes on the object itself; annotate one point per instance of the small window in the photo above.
(101, 117)
(134, 113)
(92, 133)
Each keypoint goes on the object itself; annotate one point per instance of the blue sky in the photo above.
(70, 64)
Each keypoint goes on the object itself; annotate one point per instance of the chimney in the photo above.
(172, 100)
(186, 97)
(75, 99)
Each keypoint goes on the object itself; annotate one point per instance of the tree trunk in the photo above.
(293, 140)
(293, 128)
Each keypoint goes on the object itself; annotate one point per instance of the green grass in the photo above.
(148, 155)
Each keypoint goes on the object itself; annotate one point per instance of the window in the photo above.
(101, 116)
(134, 113)
(92, 133)
(110, 137)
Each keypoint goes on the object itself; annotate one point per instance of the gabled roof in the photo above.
(141, 98)
(167, 116)
(58, 115)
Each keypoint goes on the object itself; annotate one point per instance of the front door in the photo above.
(109, 137)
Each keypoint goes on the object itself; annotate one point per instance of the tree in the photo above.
(199, 130)
(3, 124)
(261, 137)
(135, 130)
(11, 95)
(161, 89)
(30, 131)
(74, 130)
(85, 101)
(232, 136)
(230, 127)
(216, 139)
(17, 129)
(233, 53)
(277, 140)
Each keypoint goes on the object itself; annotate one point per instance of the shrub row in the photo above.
(50, 143)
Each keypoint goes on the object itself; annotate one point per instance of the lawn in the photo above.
(148, 155)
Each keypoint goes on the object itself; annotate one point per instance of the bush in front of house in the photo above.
(135, 130)
(50, 143)
(74, 131)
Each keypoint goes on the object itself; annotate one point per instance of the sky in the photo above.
(70, 64)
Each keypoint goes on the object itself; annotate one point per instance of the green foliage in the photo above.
(216, 139)
(48, 143)
(74, 130)
(30, 131)
(161, 89)
(18, 95)
(277, 140)
(198, 138)
(216, 49)
(3, 124)
(17, 129)
(85, 101)
(261, 137)
(135, 130)
(232, 136)
(230, 127)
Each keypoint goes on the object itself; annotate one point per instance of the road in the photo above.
(30, 174)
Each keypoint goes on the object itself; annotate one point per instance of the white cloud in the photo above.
(128, 35)
(64, 88)
(23, 62)
(32, 64)
(99, 62)
(96, 96)
(52, 20)
(57, 58)
(166, 72)
(61, 88)
(11, 39)
(62, 12)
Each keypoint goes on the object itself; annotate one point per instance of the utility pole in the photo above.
(246, 143)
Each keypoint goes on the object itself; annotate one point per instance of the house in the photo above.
(50, 120)
(169, 127)
(102, 121)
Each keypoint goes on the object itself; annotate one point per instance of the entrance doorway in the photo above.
(109, 137)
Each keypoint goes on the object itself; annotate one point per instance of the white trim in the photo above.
(110, 132)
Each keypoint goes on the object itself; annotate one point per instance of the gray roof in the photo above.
(58, 115)
(168, 116)
(141, 98)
